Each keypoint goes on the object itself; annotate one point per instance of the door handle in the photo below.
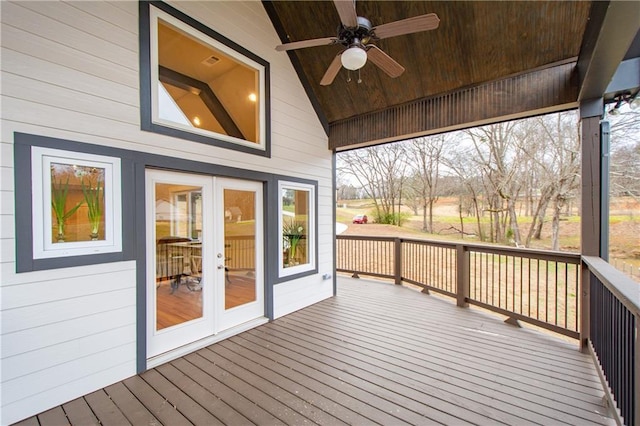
(220, 266)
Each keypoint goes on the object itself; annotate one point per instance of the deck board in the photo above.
(390, 366)
(131, 408)
(375, 354)
(232, 363)
(316, 394)
(199, 394)
(162, 408)
(53, 417)
(105, 409)
(193, 411)
(458, 375)
(357, 395)
(79, 413)
(437, 351)
(191, 365)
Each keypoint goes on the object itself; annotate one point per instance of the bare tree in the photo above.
(380, 171)
(625, 154)
(497, 155)
(426, 156)
(411, 193)
(556, 162)
(469, 187)
(500, 170)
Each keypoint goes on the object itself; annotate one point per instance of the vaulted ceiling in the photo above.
(493, 55)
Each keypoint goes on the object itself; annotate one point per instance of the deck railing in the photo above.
(613, 333)
(543, 288)
(535, 286)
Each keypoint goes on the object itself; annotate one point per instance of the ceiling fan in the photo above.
(356, 34)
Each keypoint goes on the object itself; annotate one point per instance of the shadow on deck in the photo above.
(376, 353)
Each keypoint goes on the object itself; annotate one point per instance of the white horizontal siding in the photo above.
(6, 155)
(51, 393)
(94, 40)
(62, 328)
(293, 295)
(38, 361)
(7, 226)
(66, 372)
(6, 201)
(70, 71)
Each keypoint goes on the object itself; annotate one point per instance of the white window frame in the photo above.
(311, 231)
(43, 247)
(154, 15)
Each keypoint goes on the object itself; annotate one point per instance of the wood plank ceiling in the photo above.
(476, 44)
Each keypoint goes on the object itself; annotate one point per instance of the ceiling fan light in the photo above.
(354, 58)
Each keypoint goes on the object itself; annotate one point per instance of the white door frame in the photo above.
(160, 341)
(215, 318)
(227, 318)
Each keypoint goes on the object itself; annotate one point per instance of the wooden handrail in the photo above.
(611, 331)
(459, 269)
(626, 290)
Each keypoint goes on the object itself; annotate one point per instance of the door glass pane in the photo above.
(239, 247)
(178, 231)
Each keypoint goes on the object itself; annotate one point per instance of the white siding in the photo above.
(70, 70)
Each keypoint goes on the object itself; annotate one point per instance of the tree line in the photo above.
(499, 173)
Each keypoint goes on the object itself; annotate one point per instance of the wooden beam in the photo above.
(207, 95)
(611, 30)
(543, 90)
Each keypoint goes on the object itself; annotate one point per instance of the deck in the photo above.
(376, 353)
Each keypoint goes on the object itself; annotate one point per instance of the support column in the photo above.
(397, 258)
(462, 275)
(590, 211)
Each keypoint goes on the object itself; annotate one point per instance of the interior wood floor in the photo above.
(374, 354)
(183, 304)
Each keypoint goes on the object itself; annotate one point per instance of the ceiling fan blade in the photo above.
(427, 22)
(384, 61)
(347, 12)
(307, 43)
(332, 71)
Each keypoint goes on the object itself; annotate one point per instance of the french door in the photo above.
(204, 257)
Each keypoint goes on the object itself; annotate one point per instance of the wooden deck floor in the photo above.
(376, 353)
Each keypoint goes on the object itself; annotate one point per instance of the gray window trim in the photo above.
(23, 204)
(146, 122)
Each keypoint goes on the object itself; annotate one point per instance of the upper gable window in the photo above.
(200, 85)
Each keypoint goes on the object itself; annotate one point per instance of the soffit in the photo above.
(476, 42)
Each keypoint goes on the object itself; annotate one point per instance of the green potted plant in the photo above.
(59, 193)
(293, 232)
(93, 197)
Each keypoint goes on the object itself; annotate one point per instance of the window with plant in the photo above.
(296, 225)
(77, 203)
(77, 208)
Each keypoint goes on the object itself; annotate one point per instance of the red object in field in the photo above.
(360, 218)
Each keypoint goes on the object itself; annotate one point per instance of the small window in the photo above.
(76, 203)
(297, 228)
(201, 86)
